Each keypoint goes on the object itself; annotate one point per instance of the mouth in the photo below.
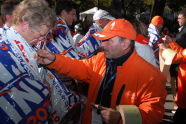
(105, 51)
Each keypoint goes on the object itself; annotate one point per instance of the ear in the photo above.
(126, 44)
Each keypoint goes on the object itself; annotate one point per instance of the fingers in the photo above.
(162, 46)
(164, 39)
(110, 116)
(167, 38)
(42, 53)
(105, 108)
(98, 106)
(46, 54)
(45, 57)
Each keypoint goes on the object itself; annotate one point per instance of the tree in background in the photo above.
(130, 9)
(157, 8)
(117, 8)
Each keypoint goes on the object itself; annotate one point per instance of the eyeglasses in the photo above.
(39, 42)
(181, 18)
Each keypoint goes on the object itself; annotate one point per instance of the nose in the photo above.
(103, 44)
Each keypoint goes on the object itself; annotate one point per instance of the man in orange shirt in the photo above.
(129, 89)
(179, 58)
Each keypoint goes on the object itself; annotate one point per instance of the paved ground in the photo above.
(169, 107)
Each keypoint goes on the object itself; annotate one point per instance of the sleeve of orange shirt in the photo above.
(180, 56)
(152, 101)
(83, 71)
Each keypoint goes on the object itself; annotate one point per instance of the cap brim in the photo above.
(109, 17)
(103, 35)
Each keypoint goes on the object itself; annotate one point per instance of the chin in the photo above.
(107, 56)
(69, 24)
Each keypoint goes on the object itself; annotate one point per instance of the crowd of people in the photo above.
(42, 65)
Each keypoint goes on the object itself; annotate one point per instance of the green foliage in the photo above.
(134, 7)
(105, 3)
(85, 4)
(148, 2)
(176, 5)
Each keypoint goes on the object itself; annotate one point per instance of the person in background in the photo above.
(64, 94)
(180, 58)
(120, 92)
(7, 9)
(141, 46)
(78, 33)
(154, 31)
(1, 21)
(60, 40)
(180, 39)
(181, 35)
(24, 96)
(88, 45)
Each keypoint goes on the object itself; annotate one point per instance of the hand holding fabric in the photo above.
(162, 46)
(45, 57)
(167, 38)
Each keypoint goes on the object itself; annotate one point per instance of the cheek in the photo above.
(36, 35)
(105, 45)
(75, 17)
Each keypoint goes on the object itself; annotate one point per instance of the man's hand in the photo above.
(45, 57)
(109, 115)
(167, 38)
(162, 46)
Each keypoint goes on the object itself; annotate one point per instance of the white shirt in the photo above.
(146, 52)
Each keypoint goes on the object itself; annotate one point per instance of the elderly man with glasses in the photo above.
(181, 35)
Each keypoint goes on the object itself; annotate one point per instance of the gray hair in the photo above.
(36, 12)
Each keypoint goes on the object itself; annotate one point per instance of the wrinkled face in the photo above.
(114, 47)
(69, 17)
(181, 20)
(38, 34)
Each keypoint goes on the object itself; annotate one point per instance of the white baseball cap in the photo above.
(102, 14)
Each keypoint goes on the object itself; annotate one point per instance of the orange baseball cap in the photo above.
(157, 20)
(117, 27)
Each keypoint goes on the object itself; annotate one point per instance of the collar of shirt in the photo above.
(179, 29)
